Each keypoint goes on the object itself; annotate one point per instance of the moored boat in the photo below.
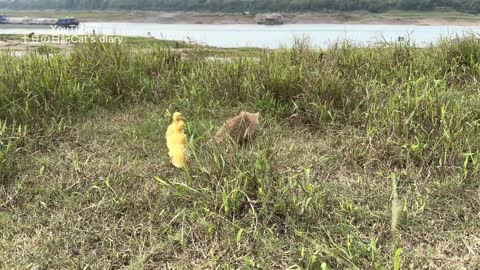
(274, 19)
(62, 22)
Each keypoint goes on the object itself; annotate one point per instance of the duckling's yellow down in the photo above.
(176, 141)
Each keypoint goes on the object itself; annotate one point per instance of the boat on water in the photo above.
(62, 22)
(274, 19)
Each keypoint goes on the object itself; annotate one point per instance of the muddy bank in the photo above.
(360, 17)
(23, 46)
(290, 18)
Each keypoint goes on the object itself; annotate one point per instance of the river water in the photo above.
(247, 35)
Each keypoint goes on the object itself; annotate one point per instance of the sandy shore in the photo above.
(290, 18)
(358, 17)
(20, 46)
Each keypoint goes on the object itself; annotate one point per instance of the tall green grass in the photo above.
(424, 102)
(400, 109)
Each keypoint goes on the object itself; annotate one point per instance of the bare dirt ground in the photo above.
(190, 17)
(290, 18)
(24, 46)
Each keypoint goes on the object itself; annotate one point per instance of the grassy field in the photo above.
(138, 42)
(45, 44)
(368, 158)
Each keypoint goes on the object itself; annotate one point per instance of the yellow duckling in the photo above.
(176, 125)
(177, 153)
(176, 141)
(176, 135)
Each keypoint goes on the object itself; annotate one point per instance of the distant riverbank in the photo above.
(391, 17)
(260, 36)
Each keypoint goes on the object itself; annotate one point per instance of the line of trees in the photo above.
(470, 6)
